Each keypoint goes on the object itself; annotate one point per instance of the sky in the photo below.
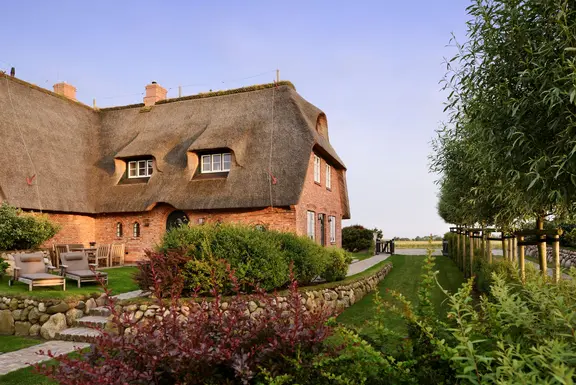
(372, 66)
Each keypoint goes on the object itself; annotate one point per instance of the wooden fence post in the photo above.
(504, 256)
(514, 249)
(483, 248)
(542, 248)
(556, 253)
(521, 259)
(489, 248)
(470, 234)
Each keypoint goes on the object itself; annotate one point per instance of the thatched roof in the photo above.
(75, 151)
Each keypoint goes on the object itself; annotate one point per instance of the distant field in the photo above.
(417, 244)
(435, 244)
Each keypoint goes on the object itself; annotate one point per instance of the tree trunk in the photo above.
(542, 247)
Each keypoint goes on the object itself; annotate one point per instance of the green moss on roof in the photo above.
(202, 95)
(44, 90)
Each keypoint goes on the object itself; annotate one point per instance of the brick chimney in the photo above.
(65, 89)
(154, 93)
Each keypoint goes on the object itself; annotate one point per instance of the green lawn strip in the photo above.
(361, 255)
(12, 343)
(26, 376)
(120, 280)
(404, 278)
(417, 244)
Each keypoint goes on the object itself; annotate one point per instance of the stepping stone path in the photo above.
(97, 318)
(29, 356)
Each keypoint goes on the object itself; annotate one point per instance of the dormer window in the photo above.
(140, 168)
(216, 162)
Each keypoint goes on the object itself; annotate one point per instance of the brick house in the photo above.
(257, 155)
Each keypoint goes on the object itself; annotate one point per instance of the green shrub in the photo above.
(356, 238)
(22, 231)
(338, 266)
(309, 259)
(258, 258)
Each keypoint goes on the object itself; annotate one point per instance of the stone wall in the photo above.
(31, 317)
(567, 257)
(338, 297)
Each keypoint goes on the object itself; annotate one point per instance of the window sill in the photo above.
(329, 189)
(211, 175)
(128, 181)
(317, 183)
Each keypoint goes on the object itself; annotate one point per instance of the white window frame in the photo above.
(317, 163)
(212, 159)
(311, 224)
(332, 222)
(328, 176)
(135, 165)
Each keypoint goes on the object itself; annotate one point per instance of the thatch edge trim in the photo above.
(44, 90)
(203, 95)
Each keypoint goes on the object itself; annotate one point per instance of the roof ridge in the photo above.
(44, 90)
(202, 95)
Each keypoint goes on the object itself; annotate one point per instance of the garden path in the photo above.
(360, 266)
(29, 356)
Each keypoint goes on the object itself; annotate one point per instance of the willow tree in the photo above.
(513, 93)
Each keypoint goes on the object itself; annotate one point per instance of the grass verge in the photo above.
(120, 280)
(361, 255)
(404, 278)
(12, 343)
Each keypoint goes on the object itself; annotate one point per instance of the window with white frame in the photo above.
(216, 162)
(328, 177)
(140, 168)
(311, 224)
(316, 169)
(332, 222)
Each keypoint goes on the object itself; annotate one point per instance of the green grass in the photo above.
(119, 280)
(12, 343)
(404, 278)
(25, 376)
(360, 255)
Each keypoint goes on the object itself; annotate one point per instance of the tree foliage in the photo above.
(508, 149)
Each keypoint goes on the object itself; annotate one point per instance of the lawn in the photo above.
(11, 343)
(405, 278)
(417, 244)
(119, 280)
(360, 255)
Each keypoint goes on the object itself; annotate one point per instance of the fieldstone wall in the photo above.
(567, 257)
(30, 317)
(338, 297)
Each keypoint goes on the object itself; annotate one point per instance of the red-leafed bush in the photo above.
(199, 341)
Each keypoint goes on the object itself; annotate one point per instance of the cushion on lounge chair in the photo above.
(75, 260)
(39, 276)
(86, 273)
(32, 258)
(73, 256)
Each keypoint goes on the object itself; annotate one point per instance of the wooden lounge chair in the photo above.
(117, 254)
(57, 250)
(31, 269)
(103, 254)
(75, 266)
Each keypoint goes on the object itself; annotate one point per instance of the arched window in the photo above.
(136, 230)
(118, 230)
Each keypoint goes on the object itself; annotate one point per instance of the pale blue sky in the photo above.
(373, 67)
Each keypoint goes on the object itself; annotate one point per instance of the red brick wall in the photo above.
(153, 224)
(74, 229)
(316, 197)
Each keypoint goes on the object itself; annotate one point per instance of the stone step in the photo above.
(101, 311)
(78, 334)
(92, 321)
